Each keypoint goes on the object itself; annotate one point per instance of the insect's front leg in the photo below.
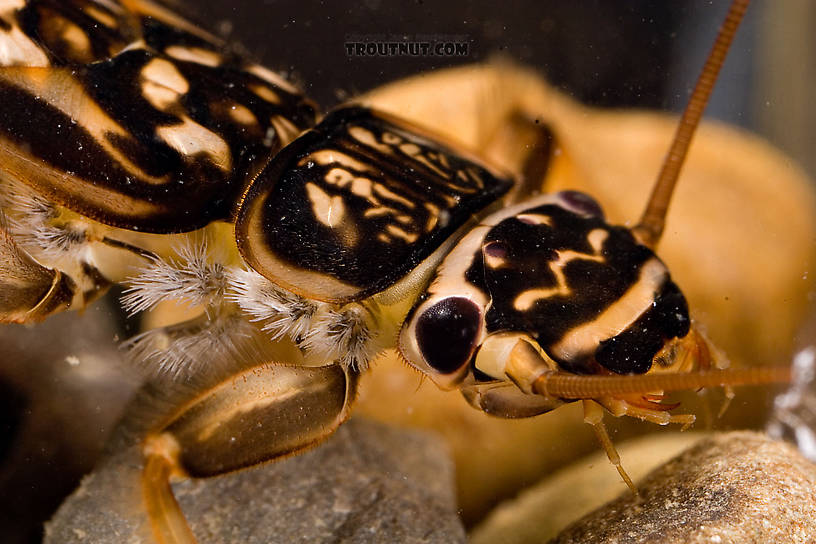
(262, 413)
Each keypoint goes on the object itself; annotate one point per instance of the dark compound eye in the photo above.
(447, 333)
(581, 203)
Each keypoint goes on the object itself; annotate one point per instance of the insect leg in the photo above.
(593, 415)
(504, 399)
(262, 413)
(118, 244)
(160, 465)
(729, 396)
(656, 414)
(31, 292)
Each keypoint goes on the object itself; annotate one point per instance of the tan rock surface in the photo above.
(541, 512)
(739, 487)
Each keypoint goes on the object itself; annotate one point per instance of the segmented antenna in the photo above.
(650, 228)
(571, 386)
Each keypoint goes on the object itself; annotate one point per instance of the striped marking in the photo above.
(527, 299)
(617, 317)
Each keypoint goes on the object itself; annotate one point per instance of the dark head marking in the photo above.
(632, 351)
(588, 292)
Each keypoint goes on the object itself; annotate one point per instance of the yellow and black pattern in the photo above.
(352, 206)
(130, 115)
(586, 291)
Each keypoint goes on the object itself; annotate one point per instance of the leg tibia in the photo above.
(593, 415)
(166, 517)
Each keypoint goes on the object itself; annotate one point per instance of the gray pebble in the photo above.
(368, 483)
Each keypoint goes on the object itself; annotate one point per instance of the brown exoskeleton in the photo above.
(359, 231)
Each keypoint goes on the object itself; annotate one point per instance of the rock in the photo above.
(735, 487)
(542, 511)
(368, 483)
